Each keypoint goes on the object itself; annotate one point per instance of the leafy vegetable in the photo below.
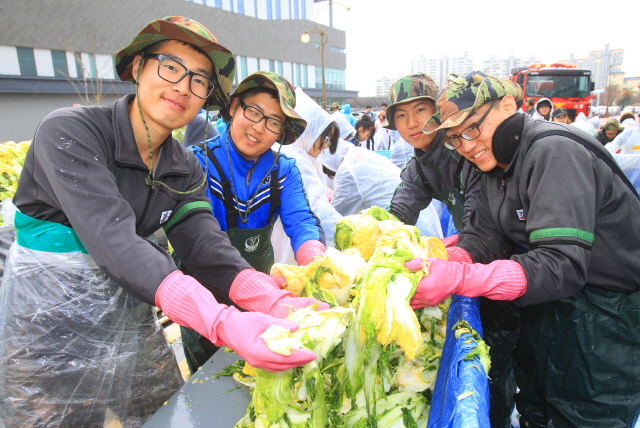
(377, 358)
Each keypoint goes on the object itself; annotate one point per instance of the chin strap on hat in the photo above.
(507, 138)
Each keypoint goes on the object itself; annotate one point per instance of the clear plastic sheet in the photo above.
(630, 165)
(7, 238)
(74, 346)
(452, 405)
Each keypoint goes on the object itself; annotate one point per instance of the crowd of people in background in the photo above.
(373, 136)
(473, 163)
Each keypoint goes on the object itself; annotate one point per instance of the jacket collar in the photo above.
(240, 165)
(173, 160)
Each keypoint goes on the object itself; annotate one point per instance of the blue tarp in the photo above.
(446, 221)
(458, 378)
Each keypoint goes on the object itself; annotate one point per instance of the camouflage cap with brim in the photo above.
(335, 105)
(463, 95)
(187, 31)
(409, 88)
(559, 112)
(294, 125)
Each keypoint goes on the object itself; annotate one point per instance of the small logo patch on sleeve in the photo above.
(165, 216)
(521, 215)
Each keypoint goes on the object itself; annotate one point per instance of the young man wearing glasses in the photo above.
(434, 172)
(250, 186)
(79, 333)
(555, 233)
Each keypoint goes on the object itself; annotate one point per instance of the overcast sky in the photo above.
(383, 36)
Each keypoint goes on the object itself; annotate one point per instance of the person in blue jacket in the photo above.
(250, 185)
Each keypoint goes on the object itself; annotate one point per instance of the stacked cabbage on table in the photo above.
(377, 357)
(11, 160)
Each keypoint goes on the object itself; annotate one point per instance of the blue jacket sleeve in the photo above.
(300, 223)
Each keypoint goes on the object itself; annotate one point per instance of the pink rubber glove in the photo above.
(258, 292)
(186, 302)
(458, 254)
(280, 280)
(450, 241)
(499, 280)
(309, 251)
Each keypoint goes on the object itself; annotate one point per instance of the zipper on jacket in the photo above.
(503, 187)
(250, 173)
(146, 206)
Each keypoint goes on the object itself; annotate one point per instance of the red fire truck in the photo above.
(564, 84)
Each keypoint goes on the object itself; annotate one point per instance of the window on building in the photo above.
(241, 6)
(255, 8)
(59, 59)
(27, 62)
(296, 11)
(278, 10)
(280, 68)
(272, 66)
(269, 9)
(304, 9)
(298, 77)
(79, 64)
(233, 6)
(219, 4)
(243, 67)
(334, 78)
(305, 75)
(92, 66)
(113, 67)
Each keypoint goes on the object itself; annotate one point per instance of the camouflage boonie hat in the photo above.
(612, 125)
(335, 105)
(295, 124)
(409, 88)
(464, 95)
(187, 31)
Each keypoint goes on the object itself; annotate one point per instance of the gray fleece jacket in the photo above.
(83, 170)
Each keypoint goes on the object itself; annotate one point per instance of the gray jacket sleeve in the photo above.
(201, 246)
(410, 196)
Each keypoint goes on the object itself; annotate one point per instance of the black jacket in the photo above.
(562, 213)
(438, 165)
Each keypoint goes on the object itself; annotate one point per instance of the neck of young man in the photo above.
(157, 136)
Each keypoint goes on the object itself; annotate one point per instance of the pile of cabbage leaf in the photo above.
(377, 358)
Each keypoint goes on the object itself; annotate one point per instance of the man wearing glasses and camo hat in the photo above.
(79, 334)
(556, 233)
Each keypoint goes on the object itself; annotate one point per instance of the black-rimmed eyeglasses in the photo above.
(472, 132)
(173, 71)
(256, 116)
